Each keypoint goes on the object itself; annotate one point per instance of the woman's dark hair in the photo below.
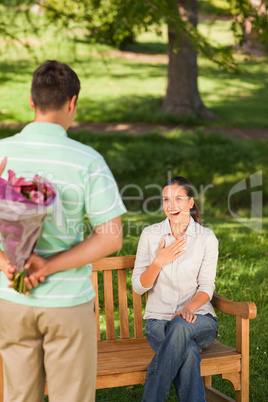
(181, 181)
(53, 84)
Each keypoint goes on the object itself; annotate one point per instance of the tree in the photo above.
(182, 95)
(116, 21)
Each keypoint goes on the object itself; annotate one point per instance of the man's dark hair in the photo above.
(53, 84)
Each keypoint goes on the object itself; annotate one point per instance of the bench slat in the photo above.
(121, 380)
(109, 304)
(137, 309)
(94, 279)
(123, 308)
(111, 263)
(116, 357)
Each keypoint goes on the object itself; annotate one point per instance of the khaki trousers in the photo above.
(57, 343)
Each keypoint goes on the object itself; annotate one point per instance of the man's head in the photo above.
(53, 84)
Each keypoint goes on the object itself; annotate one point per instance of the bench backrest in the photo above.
(111, 277)
(119, 304)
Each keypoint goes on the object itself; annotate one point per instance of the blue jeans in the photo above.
(177, 345)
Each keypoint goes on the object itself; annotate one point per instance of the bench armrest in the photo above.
(247, 310)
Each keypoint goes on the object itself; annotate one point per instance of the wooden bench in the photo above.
(124, 361)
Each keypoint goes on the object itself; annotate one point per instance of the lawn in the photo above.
(215, 163)
(119, 89)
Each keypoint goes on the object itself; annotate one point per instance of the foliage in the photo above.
(253, 12)
(112, 22)
(116, 22)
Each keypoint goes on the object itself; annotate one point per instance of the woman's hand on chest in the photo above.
(166, 255)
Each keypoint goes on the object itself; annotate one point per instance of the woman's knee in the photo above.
(155, 332)
(179, 329)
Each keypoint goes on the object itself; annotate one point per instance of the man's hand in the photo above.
(186, 314)
(106, 239)
(36, 270)
(6, 267)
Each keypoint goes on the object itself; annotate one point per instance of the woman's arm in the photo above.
(146, 271)
(187, 312)
(164, 255)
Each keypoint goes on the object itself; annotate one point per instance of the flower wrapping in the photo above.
(23, 208)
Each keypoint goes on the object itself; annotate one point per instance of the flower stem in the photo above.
(18, 283)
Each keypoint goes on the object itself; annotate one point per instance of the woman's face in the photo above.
(176, 204)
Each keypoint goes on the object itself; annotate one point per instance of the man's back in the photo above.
(84, 185)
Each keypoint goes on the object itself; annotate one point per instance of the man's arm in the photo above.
(106, 239)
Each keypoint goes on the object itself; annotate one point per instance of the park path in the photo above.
(142, 128)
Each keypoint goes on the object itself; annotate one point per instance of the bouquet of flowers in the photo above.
(23, 208)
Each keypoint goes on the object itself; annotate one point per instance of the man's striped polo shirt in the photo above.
(85, 187)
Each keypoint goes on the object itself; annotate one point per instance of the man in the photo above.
(51, 331)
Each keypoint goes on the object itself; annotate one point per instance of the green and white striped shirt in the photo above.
(85, 187)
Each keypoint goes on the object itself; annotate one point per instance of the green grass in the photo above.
(123, 90)
(120, 90)
(204, 159)
(214, 164)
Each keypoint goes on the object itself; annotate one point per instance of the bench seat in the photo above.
(132, 356)
(123, 358)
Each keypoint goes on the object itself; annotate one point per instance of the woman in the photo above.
(176, 263)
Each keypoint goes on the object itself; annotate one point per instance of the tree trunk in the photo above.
(182, 96)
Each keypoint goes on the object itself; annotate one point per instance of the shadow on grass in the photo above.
(148, 47)
(213, 163)
(238, 100)
(20, 71)
(132, 108)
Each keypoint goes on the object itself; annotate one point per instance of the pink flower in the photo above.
(38, 190)
(15, 182)
(36, 196)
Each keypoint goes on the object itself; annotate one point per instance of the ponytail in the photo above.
(195, 214)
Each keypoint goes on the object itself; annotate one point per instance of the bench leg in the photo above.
(242, 346)
(207, 381)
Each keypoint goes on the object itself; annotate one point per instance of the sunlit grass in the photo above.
(218, 31)
(121, 90)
